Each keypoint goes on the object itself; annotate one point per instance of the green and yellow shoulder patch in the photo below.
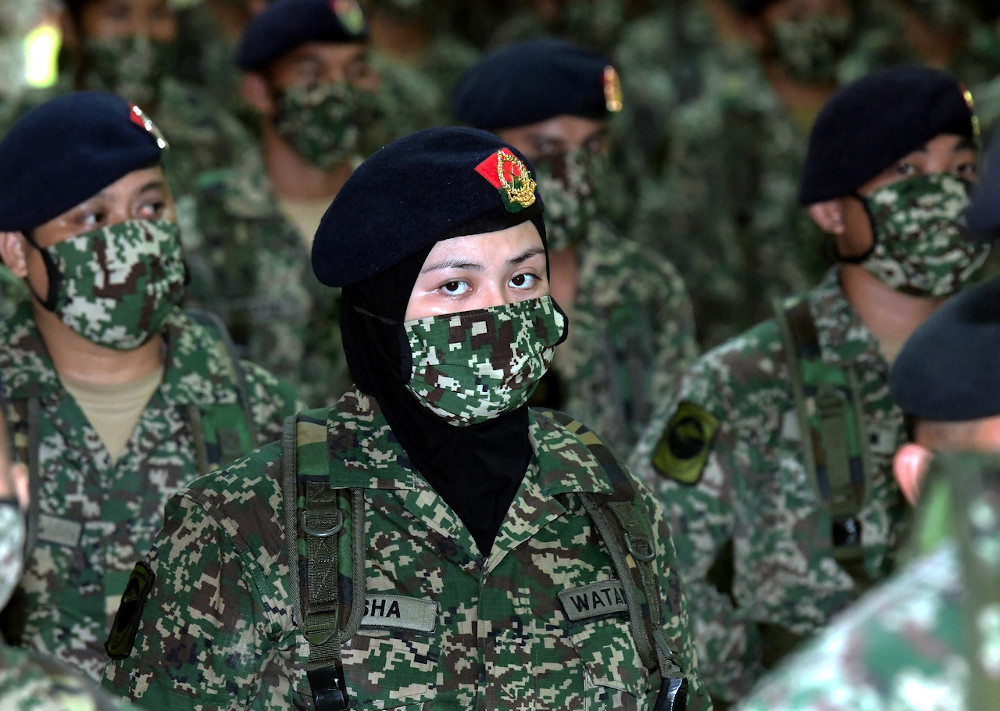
(126, 624)
(683, 448)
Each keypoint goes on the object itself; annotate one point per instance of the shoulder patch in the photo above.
(126, 624)
(683, 448)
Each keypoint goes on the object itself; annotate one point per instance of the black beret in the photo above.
(949, 369)
(64, 151)
(427, 186)
(874, 121)
(287, 24)
(983, 213)
(535, 80)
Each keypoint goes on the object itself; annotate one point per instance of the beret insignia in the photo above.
(683, 448)
(612, 89)
(511, 177)
(126, 624)
(140, 119)
(349, 14)
(967, 95)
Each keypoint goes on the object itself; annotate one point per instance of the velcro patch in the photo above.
(61, 531)
(683, 448)
(593, 600)
(126, 624)
(398, 612)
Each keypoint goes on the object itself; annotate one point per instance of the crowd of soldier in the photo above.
(688, 183)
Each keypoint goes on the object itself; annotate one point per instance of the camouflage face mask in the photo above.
(566, 181)
(12, 537)
(325, 124)
(920, 247)
(810, 47)
(116, 285)
(131, 67)
(473, 366)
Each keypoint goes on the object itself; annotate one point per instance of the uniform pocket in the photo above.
(614, 676)
(391, 670)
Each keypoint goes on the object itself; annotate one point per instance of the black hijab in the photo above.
(476, 469)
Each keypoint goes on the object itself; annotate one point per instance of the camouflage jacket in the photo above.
(250, 266)
(631, 334)
(928, 638)
(217, 631)
(34, 682)
(753, 534)
(725, 209)
(96, 518)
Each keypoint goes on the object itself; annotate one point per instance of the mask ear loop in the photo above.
(54, 275)
(871, 222)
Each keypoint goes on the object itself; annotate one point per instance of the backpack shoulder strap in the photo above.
(623, 523)
(829, 417)
(318, 521)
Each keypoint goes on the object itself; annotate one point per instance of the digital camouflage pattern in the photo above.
(567, 181)
(725, 208)
(472, 366)
(753, 507)
(927, 639)
(631, 334)
(920, 248)
(325, 124)
(11, 292)
(811, 46)
(98, 517)
(250, 265)
(34, 682)
(217, 628)
(131, 66)
(118, 283)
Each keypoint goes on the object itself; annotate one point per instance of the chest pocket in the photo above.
(614, 675)
(392, 669)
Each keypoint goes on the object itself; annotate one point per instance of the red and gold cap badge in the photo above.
(349, 14)
(612, 90)
(140, 119)
(511, 177)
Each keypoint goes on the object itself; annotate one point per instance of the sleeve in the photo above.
(688, 457)
(199, 635)
(675, 342)
(271, 401)
(676, 612)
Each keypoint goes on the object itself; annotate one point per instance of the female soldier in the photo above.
(430, 541)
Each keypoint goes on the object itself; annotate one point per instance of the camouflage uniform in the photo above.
(201, 133)
(11, 291)
(754, 493)
(217, 628)
(919, 641)
(32, 682)
(249, 264)
(631, 334)
(97, 517)
(726, 210)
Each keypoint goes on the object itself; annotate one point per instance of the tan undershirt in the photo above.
(114, 410)
(305, 216)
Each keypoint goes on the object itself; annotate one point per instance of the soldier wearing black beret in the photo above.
(458, 491)
(634, 329)
(801, 402)
(114, 396)
(306, 72)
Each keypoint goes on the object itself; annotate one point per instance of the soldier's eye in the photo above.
(524, 281)
(454, 288)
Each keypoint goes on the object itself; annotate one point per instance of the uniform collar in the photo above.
(844, 340)
(362, 452)
(196, 369)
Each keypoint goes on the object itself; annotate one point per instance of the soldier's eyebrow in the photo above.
(454, 263)
(155, 184)
(525, 256)
(965, 143)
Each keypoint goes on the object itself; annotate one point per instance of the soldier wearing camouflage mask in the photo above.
(927, 638)
(633, 329)
(466, 536)
(775, 457)
(114, 397)
(306, 72)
